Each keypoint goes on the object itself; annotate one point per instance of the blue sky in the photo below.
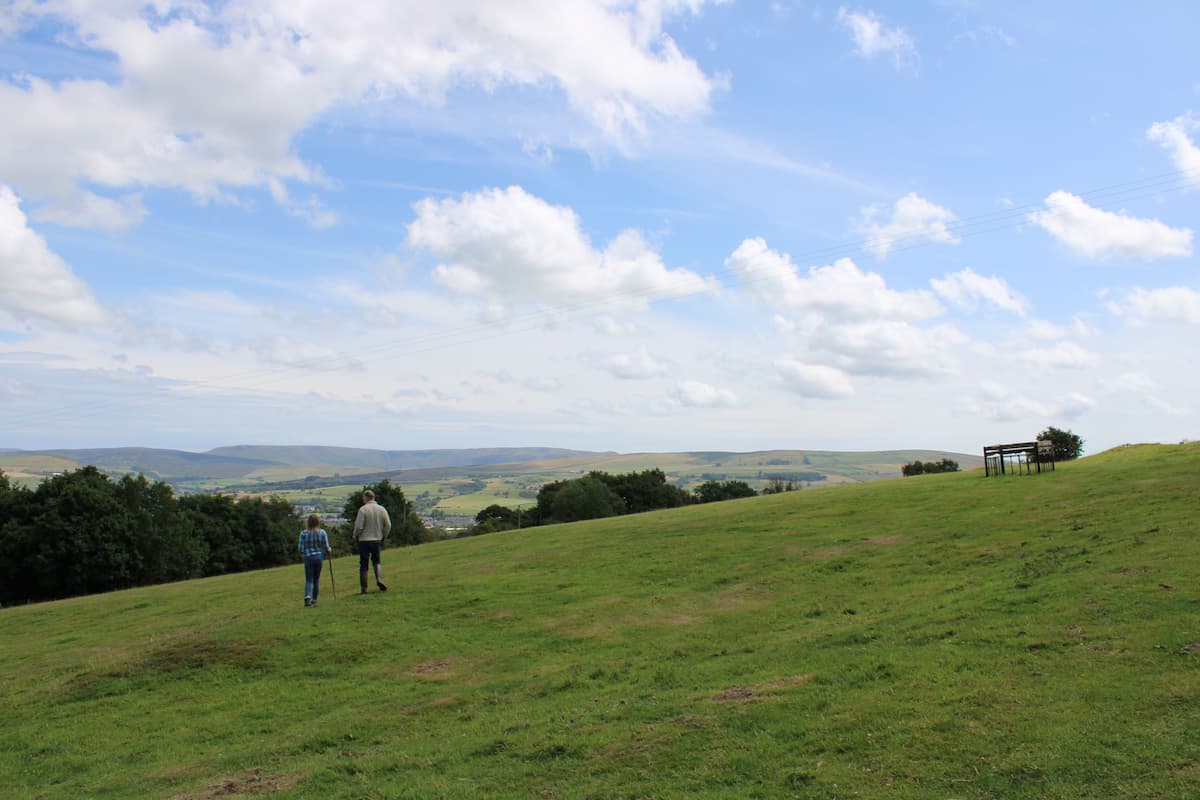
(610, 225)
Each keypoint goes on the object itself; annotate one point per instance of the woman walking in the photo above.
(314, 546)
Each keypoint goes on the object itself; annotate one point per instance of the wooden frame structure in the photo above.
(1000, 459)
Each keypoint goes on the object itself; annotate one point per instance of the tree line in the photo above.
(601, 494)
(81, 532)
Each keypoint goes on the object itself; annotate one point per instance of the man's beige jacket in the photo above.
(372, 523)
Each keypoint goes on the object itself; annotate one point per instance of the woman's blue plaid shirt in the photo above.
(314, 543)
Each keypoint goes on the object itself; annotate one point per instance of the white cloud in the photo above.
(871, 38)
(38, 285)
(1095, 233)
(694, 394)
(840, 290)
(512, 247)
(544, 383)
(86, 209)
(638, 365)
(1005, 404)
(813, 380)
(1146, 389)
(891, 349)
(1064, 355)
(310, 357)
(913, 219)
(1173, 136)
(210, 99)
(1173, 304)
(966, 288)
(1046, 331)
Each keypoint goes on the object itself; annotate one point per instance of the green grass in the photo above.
(945, 636)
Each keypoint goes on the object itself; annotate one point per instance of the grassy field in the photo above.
(29, 471)
(946, 636)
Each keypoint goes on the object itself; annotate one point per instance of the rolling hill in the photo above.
(948, 636)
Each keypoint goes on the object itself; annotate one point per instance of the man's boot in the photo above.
(379, 578)
(362, 582)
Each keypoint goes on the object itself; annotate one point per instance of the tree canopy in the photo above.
(82, 532)
(1067, 445)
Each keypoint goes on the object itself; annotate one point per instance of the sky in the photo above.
(664, 225)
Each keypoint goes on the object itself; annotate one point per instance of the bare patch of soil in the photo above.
(252, 781)
(433, 668)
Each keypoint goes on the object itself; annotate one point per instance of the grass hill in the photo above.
(944, 636)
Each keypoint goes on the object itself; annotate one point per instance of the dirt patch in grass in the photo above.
(175, 660)
(884, 540)
(827, 553)
(766, 690)
(198, 653)
(433, 668)
(250, 782)
(741, 598)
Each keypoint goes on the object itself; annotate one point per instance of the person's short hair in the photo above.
(314, 522)
(368, 495)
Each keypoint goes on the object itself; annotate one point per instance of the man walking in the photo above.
(371, 525)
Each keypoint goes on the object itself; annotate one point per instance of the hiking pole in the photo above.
(332, 585)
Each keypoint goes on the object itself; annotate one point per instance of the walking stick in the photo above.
(332, 585)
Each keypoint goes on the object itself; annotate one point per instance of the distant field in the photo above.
(30, 470)
(465, 490)
(944, 636)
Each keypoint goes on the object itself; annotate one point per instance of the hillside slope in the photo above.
(941, 636)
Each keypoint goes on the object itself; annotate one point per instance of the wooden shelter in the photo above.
(1001, 459)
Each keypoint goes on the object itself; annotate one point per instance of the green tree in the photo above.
(213, 519)
(1067, 445)
(159, 532)
(714, 491)
(493, 519)
(644, 491)
(929, 467)
(585, 498)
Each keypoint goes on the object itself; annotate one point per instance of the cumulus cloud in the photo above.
(872, 38)
(847, 317)
(1064, 355)
(1004, 404)
(1173, 304)
(1044, 330)
(1146, 389)
(813, 380)
(1099, 234)
(509, 246)
(967, 288)
(891, 349)
(840, 290)
(914, 219)
(1173, 136)
(694, 394)
(209, 98)
(542, 383)
(638, 365)
(38, 285)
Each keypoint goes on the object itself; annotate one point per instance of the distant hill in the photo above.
(224, 463)
(158, 464)
(394, 459)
